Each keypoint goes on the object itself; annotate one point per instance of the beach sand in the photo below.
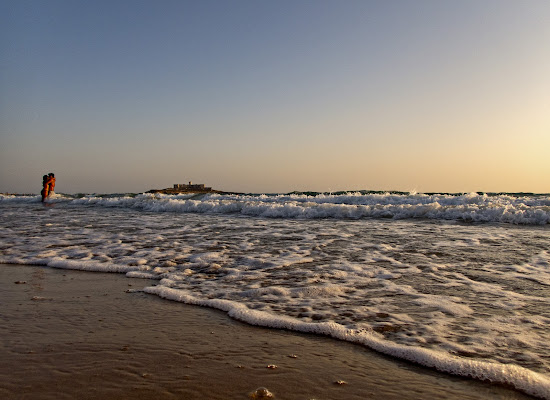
(80, 335)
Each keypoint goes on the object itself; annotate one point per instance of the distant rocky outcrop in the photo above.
(186, 188)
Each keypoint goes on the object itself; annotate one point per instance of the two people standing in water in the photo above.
(48, 185)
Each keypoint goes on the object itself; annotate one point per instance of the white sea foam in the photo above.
(473, 207)
(521, 378)
(469, 299)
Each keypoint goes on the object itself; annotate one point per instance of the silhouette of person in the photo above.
(45, 187)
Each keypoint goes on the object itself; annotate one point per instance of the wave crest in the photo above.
(471, 207)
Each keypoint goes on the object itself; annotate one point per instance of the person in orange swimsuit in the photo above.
(48, 185)
(51, 183)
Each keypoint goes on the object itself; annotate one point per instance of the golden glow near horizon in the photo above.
(431, 96)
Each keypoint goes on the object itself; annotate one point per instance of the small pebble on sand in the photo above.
(261, 394)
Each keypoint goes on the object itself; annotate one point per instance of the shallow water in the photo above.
(469, 299)
(78, 335)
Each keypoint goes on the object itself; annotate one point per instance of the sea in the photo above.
(456, 282)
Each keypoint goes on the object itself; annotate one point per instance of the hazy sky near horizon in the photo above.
(275, 96)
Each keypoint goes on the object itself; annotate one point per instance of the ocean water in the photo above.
(459, 283)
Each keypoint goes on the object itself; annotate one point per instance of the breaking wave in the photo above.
(526, 209)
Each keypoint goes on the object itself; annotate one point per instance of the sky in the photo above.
(275, 96)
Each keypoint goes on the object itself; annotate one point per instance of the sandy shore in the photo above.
(80, 335)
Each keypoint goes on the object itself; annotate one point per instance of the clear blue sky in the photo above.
(275, 96)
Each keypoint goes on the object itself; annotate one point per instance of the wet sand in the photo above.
(80, 335)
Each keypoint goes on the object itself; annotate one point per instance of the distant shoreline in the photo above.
(297, 192)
